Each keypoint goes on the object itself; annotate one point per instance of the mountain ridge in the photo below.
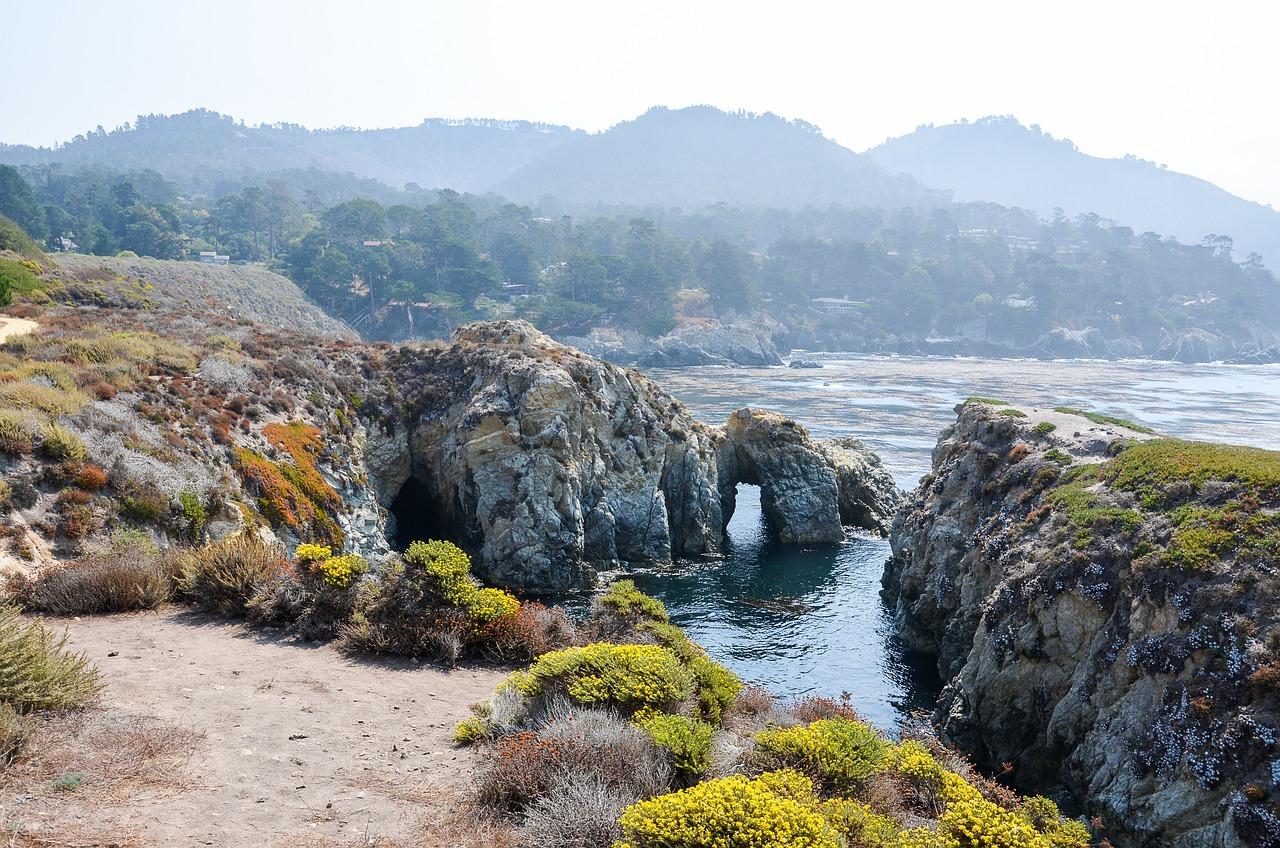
(998, 159)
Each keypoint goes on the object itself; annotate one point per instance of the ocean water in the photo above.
(810, 621)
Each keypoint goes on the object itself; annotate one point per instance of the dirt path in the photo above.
(299, 741)
(15, 327)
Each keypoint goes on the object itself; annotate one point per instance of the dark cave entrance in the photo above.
(420, 517)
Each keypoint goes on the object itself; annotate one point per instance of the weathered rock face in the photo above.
(551, 465)
(867, 496)
(798, 490)
(1106, 617)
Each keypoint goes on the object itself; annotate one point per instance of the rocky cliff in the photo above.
(1104, 606)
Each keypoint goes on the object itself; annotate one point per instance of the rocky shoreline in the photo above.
(1102, 605)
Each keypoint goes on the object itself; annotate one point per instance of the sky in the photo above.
(1186, 84)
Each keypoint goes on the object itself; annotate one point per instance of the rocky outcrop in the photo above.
(551, 465)
(1103, 607)
(1195, 345)
(1089, 343)
(751, 344)
(799, 494)
(867, 496)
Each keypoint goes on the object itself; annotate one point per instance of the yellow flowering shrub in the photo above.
(308, 553)
(955, 788)
(731, 812)
(1045, 817)
(981, 824)
(718, 687)
(687, 739)
(448, 569)
(485, 605)
(840, 753)
(858, 824)
(470, 730)
(624, 599)
(341, 571)
(627, 676)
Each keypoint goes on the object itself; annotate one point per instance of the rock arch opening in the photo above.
(417, 514)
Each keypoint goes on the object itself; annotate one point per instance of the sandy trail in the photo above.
(15, 327)
(299, 740)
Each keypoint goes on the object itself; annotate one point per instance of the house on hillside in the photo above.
(212, 257)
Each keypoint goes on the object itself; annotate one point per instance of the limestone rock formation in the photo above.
(1103, 606)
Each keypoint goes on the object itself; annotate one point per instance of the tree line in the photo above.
(449, 258)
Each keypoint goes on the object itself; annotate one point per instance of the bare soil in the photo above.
(211, 733)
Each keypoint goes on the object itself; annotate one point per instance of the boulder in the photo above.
(804, 363)
(1195, 345)
(742, 343)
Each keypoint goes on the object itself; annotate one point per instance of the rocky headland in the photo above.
(1103, 606)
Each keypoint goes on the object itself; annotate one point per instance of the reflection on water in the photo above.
(798, 621)
(826, 630)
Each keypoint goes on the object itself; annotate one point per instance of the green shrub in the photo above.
(21, 277)
(194, 516)
(859, 824)
(688, 740)
(1059, 456)
(1012, 413)
(776, 810)
(839, 753)
(625, 676)
(448, 571)
(1044, 428)
(19, 431)
(1147, 468)
(14, 238)
(627, 602)
(225, 576)
(986, 400)
(61, 444)
(37, 672)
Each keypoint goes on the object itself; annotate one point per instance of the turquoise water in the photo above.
(811, 621)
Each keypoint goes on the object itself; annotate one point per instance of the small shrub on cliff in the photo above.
(225, 576)
(61, 444)
(37, 672)
(1099, 418)
(1044, 428)
(838, 753)
(447, 570)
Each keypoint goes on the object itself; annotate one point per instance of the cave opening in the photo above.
(419, 516)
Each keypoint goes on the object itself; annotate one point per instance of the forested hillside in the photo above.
(999, 160)
(985, 277)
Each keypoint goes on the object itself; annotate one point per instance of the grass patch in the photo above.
(1149, 468)
(1089, 514)
(1012, 413)
(1044, 428)
(985, 400)
(1099, 418)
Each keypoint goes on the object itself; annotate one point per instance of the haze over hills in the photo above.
(689, 158)
(698, 156)
(997, 159)
(200, 149)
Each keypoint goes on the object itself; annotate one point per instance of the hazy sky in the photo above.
(1193, 85)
